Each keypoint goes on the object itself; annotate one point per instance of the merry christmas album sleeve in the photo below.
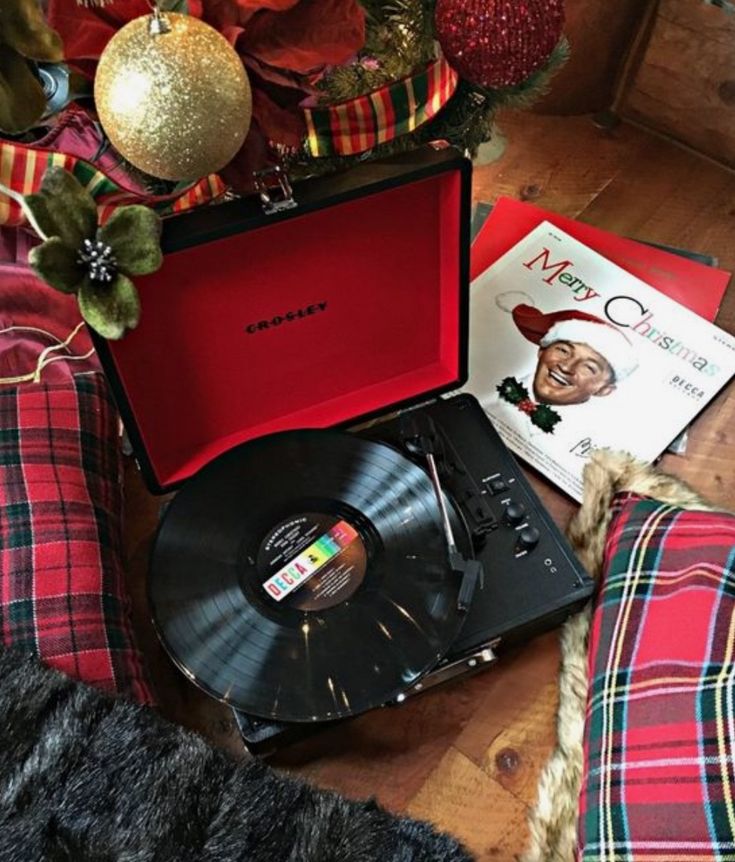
(568, 353)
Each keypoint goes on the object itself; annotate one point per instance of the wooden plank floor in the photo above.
(467, 756)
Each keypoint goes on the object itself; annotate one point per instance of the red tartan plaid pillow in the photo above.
(62, 595)
(659, 776)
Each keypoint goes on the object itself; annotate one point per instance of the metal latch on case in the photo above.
(274, 180)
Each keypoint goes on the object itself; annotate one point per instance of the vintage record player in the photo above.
(305, 573)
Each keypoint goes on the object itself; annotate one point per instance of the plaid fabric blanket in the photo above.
(62, 595)
(660, 730)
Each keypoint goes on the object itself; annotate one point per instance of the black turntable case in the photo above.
(343, 301)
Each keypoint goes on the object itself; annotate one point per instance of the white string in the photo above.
(20, 200)
(15, 327)
(44, 358)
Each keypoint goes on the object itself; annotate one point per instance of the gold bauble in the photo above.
(174, 103)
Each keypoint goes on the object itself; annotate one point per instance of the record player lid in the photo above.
(350, 304)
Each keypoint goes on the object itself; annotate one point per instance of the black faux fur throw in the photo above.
(84, 778)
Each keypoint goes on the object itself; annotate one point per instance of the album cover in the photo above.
(569, 352)
(691, 279)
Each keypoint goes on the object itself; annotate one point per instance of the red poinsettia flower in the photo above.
(286, 46)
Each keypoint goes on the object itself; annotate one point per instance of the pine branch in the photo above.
(413, 23)
(400, 40)
(538, 83)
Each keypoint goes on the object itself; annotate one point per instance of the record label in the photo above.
(319, 561)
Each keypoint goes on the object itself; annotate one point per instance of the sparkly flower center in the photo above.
(99, 260)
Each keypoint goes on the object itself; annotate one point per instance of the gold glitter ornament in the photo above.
(172, 96)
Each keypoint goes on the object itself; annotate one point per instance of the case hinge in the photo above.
(271, 180)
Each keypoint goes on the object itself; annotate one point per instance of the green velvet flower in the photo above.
(24, 37)
(77, 256)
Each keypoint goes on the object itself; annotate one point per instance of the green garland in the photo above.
(399, 40)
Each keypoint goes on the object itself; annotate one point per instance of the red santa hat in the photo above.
(574, 325)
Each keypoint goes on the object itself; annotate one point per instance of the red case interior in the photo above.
(387, 265)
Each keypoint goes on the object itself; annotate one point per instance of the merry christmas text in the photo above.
(625, 312)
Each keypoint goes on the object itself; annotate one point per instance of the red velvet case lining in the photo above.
(387, 265)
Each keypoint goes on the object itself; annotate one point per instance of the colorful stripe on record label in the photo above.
(310, 560)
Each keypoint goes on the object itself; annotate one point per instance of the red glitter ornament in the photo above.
(498, 43)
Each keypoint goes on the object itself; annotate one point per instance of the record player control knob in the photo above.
(528, 539)
(514, 513)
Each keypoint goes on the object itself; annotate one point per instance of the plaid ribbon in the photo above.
(22, 169)
(659, 782)
(360, 124)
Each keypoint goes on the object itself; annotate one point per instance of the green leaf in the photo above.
(134, 234)
(57, 265)
(512, 390)
(23, 28)
(545, 418)
(64, 208)
(22, 101)
(112, 308)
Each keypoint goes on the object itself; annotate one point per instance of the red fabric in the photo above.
(387, 267)
(75, 133)
(28, 309)
(62, 594)
(62, 590)
(658, 771)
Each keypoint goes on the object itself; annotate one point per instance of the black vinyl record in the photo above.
(303, 576)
